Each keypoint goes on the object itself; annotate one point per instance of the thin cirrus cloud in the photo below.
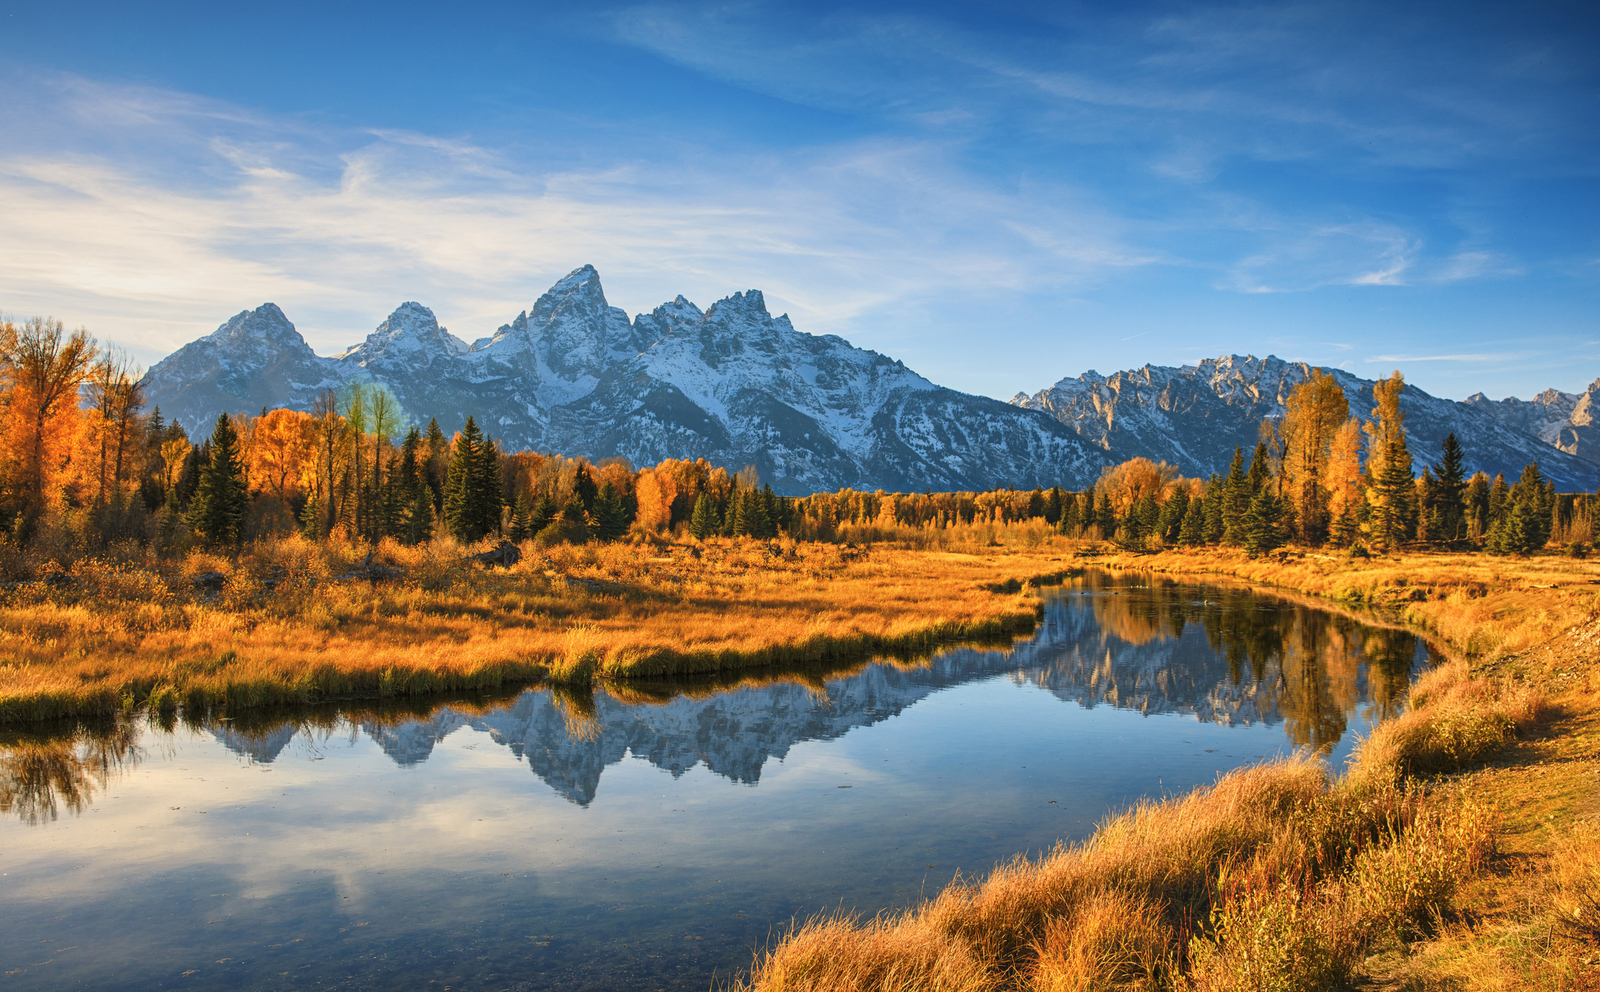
(340, 227)
(1080, 186)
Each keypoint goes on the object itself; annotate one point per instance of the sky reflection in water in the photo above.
(666, 830)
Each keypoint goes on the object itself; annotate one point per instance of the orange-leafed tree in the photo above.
(1135, 479)
(282, 443)
(656, 491)
(1343, 481)
(43, 367)
(1314, 413)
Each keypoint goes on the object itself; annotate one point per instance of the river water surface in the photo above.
(650, 836)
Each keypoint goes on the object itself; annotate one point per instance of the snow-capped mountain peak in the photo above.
(732, 384)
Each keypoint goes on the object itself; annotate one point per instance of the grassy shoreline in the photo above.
(110, 636)
(1466, 852)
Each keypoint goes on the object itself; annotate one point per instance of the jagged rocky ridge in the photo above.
(1194, 416)
(1562, 420)
(572, 374)
(1093, 648)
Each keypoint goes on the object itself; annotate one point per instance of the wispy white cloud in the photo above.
(338, 227)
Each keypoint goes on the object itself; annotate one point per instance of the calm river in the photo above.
(642, 838)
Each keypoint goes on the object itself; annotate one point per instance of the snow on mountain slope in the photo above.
(1565, 420)
(1194, 416)
(255, 360)
(572, 374)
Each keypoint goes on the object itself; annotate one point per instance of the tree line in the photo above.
(1316, 477)
(81, 454)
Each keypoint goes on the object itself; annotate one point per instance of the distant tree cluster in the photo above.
(1317, 477)
(82, 456)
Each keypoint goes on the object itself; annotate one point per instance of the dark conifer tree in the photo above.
(1236, 497)
(1450, 492)
(464, 485)
(1260, 468)
(545, 510)
(704, 523)
(218, 506)
(768, 514)
(1477, 506)
(584, 488)
(608, 520)
(1263, 526)
(437, 463)
(1214, 504)
(521, 518)
(1053, 507)
(1499, 500)
(1173, 512)
(1106, 514)
(1193, 531)
(488, 492)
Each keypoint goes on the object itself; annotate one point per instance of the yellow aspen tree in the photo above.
(1314, 414)
(1343, 482)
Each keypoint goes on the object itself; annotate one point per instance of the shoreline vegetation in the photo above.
(1460, 849)
(1454, 853)
(298, 555)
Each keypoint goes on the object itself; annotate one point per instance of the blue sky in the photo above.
(998, 194)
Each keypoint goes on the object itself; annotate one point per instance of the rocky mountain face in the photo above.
(1566, 421)
(572, 374)
(1194, 416)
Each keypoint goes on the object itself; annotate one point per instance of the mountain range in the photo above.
(737, 386)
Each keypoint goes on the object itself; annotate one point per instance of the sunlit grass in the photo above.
(110, 634)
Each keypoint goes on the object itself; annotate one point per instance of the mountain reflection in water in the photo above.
(1223, 655)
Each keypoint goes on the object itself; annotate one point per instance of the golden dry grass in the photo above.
(109, 634)
(1277, 878)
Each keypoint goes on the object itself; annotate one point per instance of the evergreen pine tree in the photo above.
(1427, 497)
(1263, 526)
(730, 512)
(1213, 525)
(609, 521)
(704, 523)
(767, 513)
(488, 489)
(217, 509)
(1236, 497)
(583, 486)
(1450, 492)
(521, 517)
(1260, 467)
(1193, 531)
(311, 519)
(545, 510)
(1105, 514)
(462, 485)
(1477, 507)
(435, 466)
(1499, 498)
(1172, 514)
(419, 522)
(1053, 506)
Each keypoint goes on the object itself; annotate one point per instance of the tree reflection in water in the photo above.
(1222, 655)
(1312, 667)
(44, 772)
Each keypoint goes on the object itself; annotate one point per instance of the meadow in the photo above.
(288, 620)
(1459, 850)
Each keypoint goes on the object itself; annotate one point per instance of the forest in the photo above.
(86, 467)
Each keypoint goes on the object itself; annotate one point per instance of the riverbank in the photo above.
(293, 622)
(1460, 850)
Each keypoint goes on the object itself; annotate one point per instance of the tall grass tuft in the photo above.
(1275, 878)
